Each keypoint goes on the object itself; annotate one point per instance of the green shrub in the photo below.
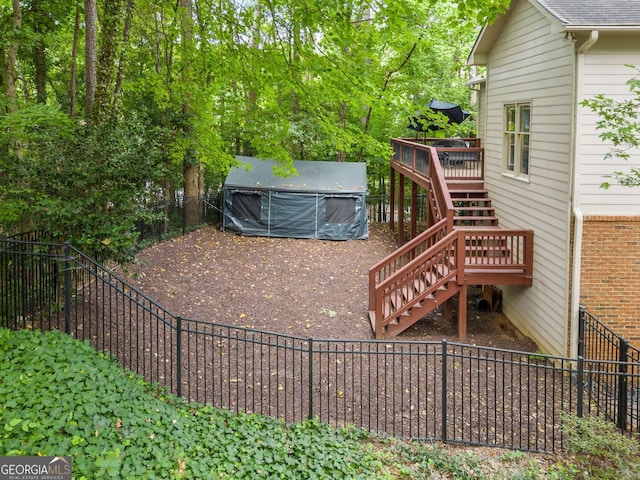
(599, 450)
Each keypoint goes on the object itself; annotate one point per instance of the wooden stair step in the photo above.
(431, 278)
(479, 227)
(464, 184)
(472, 204)
(476, 220)
(470, 199)
(471, 207)
(471, 193)
(477, 210)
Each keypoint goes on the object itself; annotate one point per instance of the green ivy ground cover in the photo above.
(59, 397)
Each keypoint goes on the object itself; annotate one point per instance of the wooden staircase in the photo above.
(472, 208)
(465, 246)
(418, 283)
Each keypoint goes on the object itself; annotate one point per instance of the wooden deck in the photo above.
(462, 245)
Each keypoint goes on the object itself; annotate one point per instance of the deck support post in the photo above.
(392, 198)
(414, 209)
(401, 183)
(429, 218)
(462, 312)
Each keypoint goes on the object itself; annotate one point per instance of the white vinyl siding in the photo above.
(605, 73)
(532, 63)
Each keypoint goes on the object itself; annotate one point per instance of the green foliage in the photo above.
(599, 450)
(58, 397)
(418, 460)
(286, 80)
(26, 137)
(482, 11)
(619, 126)
(424, 461)
(82, 184)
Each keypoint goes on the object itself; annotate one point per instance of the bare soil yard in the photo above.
(309, 288)
(306, 288)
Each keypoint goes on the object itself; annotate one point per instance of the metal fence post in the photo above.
(444, 390)
(581, 320)
(179, 355)
(310, 387)
(580, 381)
(622, 385)
(184, 215)
(67, 288)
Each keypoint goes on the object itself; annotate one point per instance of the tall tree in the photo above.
(90, 53)
(192, 167)
(207, 79)
(111, 29)
(12, 58)
(39, 50)
(74, 62)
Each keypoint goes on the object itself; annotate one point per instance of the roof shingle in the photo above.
(576, 13)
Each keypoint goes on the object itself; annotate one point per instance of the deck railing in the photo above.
(496, 251)
(458, 163)
(405, 254)
(421, 164)
(470, 257)
(489, 255)
(408, 286)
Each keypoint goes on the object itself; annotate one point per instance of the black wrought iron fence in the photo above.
(174, 219)
(420, 390)
(612, 365)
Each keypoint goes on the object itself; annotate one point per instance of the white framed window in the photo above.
(517, 139)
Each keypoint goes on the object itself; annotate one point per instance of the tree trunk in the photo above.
(191, 167)
(125, 39)
(74, 64)
(12, 59)
(192, 196)
(107, 58)
(90, 53)
(39, 53)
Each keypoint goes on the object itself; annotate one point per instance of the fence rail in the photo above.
(419, 390)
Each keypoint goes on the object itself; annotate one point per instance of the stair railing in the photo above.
(409, 285)
(429, 262)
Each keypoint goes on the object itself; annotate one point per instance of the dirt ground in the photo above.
(308, 288)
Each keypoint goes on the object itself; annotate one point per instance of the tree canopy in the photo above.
(109, 103)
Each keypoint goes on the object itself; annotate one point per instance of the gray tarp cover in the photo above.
(326, 200)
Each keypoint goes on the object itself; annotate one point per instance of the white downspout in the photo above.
(577, 212)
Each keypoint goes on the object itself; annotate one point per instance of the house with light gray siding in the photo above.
(545, 161)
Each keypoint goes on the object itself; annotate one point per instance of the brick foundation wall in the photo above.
(610, 278)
